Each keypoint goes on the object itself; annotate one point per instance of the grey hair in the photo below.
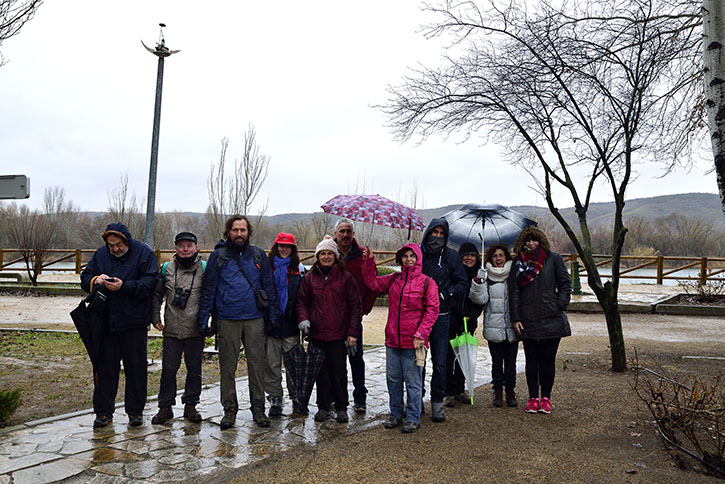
(345, 221)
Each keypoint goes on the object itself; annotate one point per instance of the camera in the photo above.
(181, 297)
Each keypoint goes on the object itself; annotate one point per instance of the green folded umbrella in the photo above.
(465, 347)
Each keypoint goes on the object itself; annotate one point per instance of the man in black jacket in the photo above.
(445, 267)
(124, 270)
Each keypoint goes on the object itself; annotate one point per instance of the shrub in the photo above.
(9, 402)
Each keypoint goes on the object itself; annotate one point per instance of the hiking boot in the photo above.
(533, 405)
(360, 407)
(275, 409)
(436, 411)
(498, 398)
(545, 406)
(392, 422)
(449, 401)
(227, 421)
(102, 421)
(322, 415)
(511, 398)
(464, 398)
(410, 427)
(191, 414)
(135, 420)
(261, 419)
(165, 413)
(341, 416)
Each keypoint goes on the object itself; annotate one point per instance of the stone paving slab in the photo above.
(68, 448)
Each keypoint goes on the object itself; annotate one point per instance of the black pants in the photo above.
(503, 364)
(171, 361)
(357, 368)
(334, 370)
(129, 347)
(540, 365)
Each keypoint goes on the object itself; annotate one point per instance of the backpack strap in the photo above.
(203, 265)
(163, 270)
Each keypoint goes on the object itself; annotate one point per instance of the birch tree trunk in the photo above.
(713, 19)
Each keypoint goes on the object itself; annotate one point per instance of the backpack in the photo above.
(166, 264)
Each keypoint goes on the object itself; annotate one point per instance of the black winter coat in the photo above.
(540, 306)
(129, 307)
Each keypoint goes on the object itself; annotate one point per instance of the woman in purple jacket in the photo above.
(412, 310)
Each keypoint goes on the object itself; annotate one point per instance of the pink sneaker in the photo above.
(533, 405)
(545, 405)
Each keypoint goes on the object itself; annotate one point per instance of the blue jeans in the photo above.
(438, 340)
(357, 368)
(400, 368)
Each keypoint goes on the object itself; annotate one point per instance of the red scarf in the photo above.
(528, 265)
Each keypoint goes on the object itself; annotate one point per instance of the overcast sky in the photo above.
(77, 94)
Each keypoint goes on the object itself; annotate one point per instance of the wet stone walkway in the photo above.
(68, 449)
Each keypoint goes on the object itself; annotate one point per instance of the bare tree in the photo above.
(125, 208)
(713, 12)
(32, 233)
(13, 15)
(567, 88)
(237, 192)
(64, 215)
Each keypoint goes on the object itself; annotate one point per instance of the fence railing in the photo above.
(661, 268)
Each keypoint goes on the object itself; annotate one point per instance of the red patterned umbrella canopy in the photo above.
(374, 209)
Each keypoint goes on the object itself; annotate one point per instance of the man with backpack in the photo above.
(180, 285)
(239, 290)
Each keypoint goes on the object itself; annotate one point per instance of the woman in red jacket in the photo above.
(330, 311)
(412, 311)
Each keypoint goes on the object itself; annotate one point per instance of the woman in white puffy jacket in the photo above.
(490, 288)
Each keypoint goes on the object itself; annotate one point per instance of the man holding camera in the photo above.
(239, 289)
(180, 285)
(124, 272)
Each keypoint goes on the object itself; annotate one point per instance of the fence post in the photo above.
(703, 271)
(660, 269)
(79, 261)
(1, 259)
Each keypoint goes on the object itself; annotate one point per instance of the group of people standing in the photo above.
(264, 302)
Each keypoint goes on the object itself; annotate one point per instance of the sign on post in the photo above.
(14, 187)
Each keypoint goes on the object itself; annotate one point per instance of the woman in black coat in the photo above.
(540, 291)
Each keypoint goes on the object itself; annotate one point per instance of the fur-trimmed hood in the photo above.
(543, 239)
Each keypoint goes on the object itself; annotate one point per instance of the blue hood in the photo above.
(119, 229)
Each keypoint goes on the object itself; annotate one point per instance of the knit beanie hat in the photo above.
(327, 244)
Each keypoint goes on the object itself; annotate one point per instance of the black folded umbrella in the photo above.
(88, 319)
(302, 367)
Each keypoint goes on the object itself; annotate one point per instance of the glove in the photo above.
(304, 326)
(351, 350)
(482, 274)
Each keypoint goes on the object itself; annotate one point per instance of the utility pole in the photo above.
(161, 51)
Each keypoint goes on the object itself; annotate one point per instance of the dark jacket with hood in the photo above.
(129, 307)
(445, 267)
(464, 307)
(540, 306)
(226, 290)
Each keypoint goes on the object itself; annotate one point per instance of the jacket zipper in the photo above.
(400, 304)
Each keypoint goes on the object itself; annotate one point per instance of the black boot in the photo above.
(498, 398)
(511, 398)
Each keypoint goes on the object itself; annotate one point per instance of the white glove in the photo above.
(482, 274)
(304, 326)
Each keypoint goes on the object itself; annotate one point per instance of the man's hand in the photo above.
(159, 325)
(113, 283)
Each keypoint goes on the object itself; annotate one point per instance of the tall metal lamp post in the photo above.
(161, 51)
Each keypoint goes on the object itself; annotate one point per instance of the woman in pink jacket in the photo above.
(412, 311)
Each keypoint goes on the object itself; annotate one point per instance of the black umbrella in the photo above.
(88, 319)
(485, 225)
(302, 367)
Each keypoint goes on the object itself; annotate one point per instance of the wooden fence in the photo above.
(663, 267)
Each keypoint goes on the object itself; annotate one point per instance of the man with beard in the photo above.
(237, 278)
(124, 273)
(351, 255)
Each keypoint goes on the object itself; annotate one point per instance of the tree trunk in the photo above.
(607, 297)
(713, 21)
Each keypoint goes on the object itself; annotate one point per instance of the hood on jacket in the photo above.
(119, 230)
(418, 267)
(543, 239)
(438, 221)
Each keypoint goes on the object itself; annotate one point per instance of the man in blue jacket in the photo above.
(124, 270)
(444, 265)
(236, 276)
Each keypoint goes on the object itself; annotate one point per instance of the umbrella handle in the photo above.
(465, 325)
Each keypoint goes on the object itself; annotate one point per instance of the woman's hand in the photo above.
(418, 343)
(367, 253)
(518, 327)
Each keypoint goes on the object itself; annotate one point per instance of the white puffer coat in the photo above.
(493, 293)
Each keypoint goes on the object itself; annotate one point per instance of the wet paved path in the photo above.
(67, 448)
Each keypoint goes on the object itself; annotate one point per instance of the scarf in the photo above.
(280, 280)
(187, 262)
(528, 265)
(498, 274)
